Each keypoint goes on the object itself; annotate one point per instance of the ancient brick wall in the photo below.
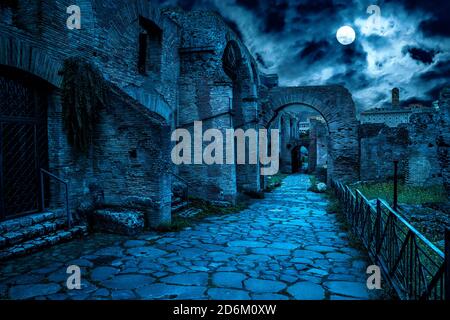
(423, 163)
(443, 140)
(414, 145)
(220, 100)
(285, 146)
(380, 145)
(108, 38)
(318, 148)
(35, 39)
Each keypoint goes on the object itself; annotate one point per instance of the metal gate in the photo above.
(23, 143)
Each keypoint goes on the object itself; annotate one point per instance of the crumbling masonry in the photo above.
(163, 69)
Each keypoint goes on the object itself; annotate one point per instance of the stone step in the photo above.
(39, 243)
(189, 212)
(176, 200)
(13, 238)
(180, 206)
(129, 222)
(29, 220)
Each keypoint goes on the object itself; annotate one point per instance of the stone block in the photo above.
(119, 222)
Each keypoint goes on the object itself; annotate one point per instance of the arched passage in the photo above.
(300, 156)
(296, 159)
(336, 106)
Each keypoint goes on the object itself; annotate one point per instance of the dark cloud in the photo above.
(433, 93)
(439, 26)
(352, 54)
(425, 56)
(249, 4)
(314, 51)
(260, 60)
(317, 7)
(416, 100)
(234, 26)
(275, 19)
(361, 81)
(436, 21)
(313, 13)
(440, 71)
(296, 39)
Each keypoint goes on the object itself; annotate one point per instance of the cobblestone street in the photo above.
(282, 247)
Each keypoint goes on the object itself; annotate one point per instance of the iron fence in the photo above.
(414, 267)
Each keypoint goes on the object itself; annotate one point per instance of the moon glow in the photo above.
(345, 35)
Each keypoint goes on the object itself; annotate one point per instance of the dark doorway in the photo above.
(296, 159)
(23, 142)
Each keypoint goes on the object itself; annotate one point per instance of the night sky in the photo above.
(408, 49)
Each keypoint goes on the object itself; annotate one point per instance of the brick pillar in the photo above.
(161, 213)
(285, 152)
(248, 175)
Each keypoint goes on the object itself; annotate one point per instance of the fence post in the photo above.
(378, 230)
(395, 184)
(447, 264)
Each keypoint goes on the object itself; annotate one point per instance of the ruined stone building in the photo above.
(311, 135)
(92, 111)
(418, 145)
(395, 114)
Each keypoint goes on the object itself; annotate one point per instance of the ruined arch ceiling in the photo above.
(334, 103)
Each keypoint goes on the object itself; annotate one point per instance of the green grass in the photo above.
(177, 224)
(313, 183)
(406, 194)
(275, 181)
(334, 207)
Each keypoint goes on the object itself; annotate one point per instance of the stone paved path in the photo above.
(283, 247)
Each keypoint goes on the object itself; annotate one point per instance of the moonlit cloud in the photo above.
(409, 48)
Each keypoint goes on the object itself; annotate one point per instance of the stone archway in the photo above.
(19, 54)
(336, 106)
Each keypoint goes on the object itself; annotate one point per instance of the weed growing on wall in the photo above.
(84, 92)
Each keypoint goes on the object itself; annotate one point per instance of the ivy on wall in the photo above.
(84, 93)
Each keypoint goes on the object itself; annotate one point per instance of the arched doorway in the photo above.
(300, 161)
(335, 105)
(24, 141)
(296, 159)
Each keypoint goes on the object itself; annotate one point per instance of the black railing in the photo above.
(413, 266)
(66, 186)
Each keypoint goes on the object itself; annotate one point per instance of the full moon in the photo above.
(345, 35)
